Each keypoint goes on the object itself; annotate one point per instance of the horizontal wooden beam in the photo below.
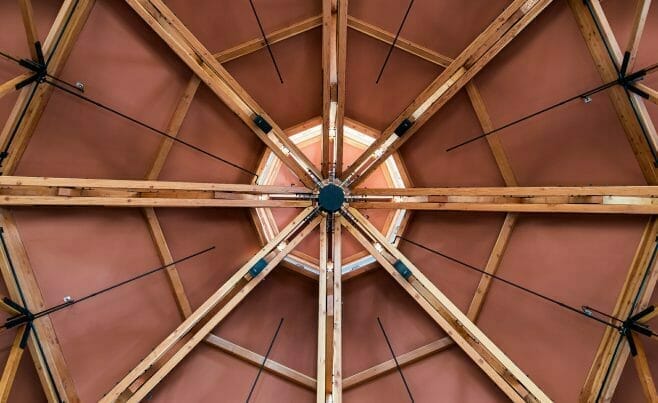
(516, 191)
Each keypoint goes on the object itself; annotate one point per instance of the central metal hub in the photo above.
(331, 198)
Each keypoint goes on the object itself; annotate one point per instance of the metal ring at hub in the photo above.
(331, 198)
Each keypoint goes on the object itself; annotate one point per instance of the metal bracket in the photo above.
(262, 124)
(257, 268)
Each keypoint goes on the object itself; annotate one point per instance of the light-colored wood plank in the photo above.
(653, 94)
(515, 191)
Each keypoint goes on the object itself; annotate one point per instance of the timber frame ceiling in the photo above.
(330, 198)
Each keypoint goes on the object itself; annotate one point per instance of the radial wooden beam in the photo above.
(329, 370)
(19, 127)
(11, 365)
(477, 55)
(10, 86)
(500, 369)
(163, 21)
(653, 94)
(334, 51)
(52, 357)
(639, 285)
(586, 199)
(136, 385)
(31, 32)
(634, 124)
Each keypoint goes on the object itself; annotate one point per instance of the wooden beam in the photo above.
(500, 369)
(19, 127)
(653, 94)
(256, 359)
(11, 365)
(52, 353)
(9, 86)
(389, 366)
(492, 266)
(640, 282)
(280, 35)
(608, 69)
(644, 371)
(31, 32)
(165, 23)
(585, 199)
(402, 43)
(477, 55)
(155, 366)
(329, 370)
(334, 51)
(639, 21)
(515, 191)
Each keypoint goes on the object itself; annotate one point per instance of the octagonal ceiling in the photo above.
(580, 259)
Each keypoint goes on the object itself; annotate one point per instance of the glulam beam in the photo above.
(599, 37)
(190, 50)
(11, 365)
(19, 127)
(612, 353)
(21, 282)
(639, 22)
(334, 51)
(484, 353)
(31, 33)
(137, 384)
(329, 369)
(477, 55)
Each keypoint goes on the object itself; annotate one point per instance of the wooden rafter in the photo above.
(639, 21)
(30, 27)
(643, 370)
(52, 357)
(477, 55)
(500, 369)
(607, 366)
(19, 127)
(329, 373)
(10, 86)
(633, 124)
(334, 51)
(165, 23)
(653, 94)
(11, 365)
(154, 367)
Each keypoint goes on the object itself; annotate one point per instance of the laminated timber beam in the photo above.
(31, 34)
(631, 111)
(500, 369)
(329, 371)
(33, 99)
(137, 384)
(188, 48)
(21, 283)
(11, 365)
(585, 199)
(477, 55)
(634, 296)
(334, 52)
(38, 191)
